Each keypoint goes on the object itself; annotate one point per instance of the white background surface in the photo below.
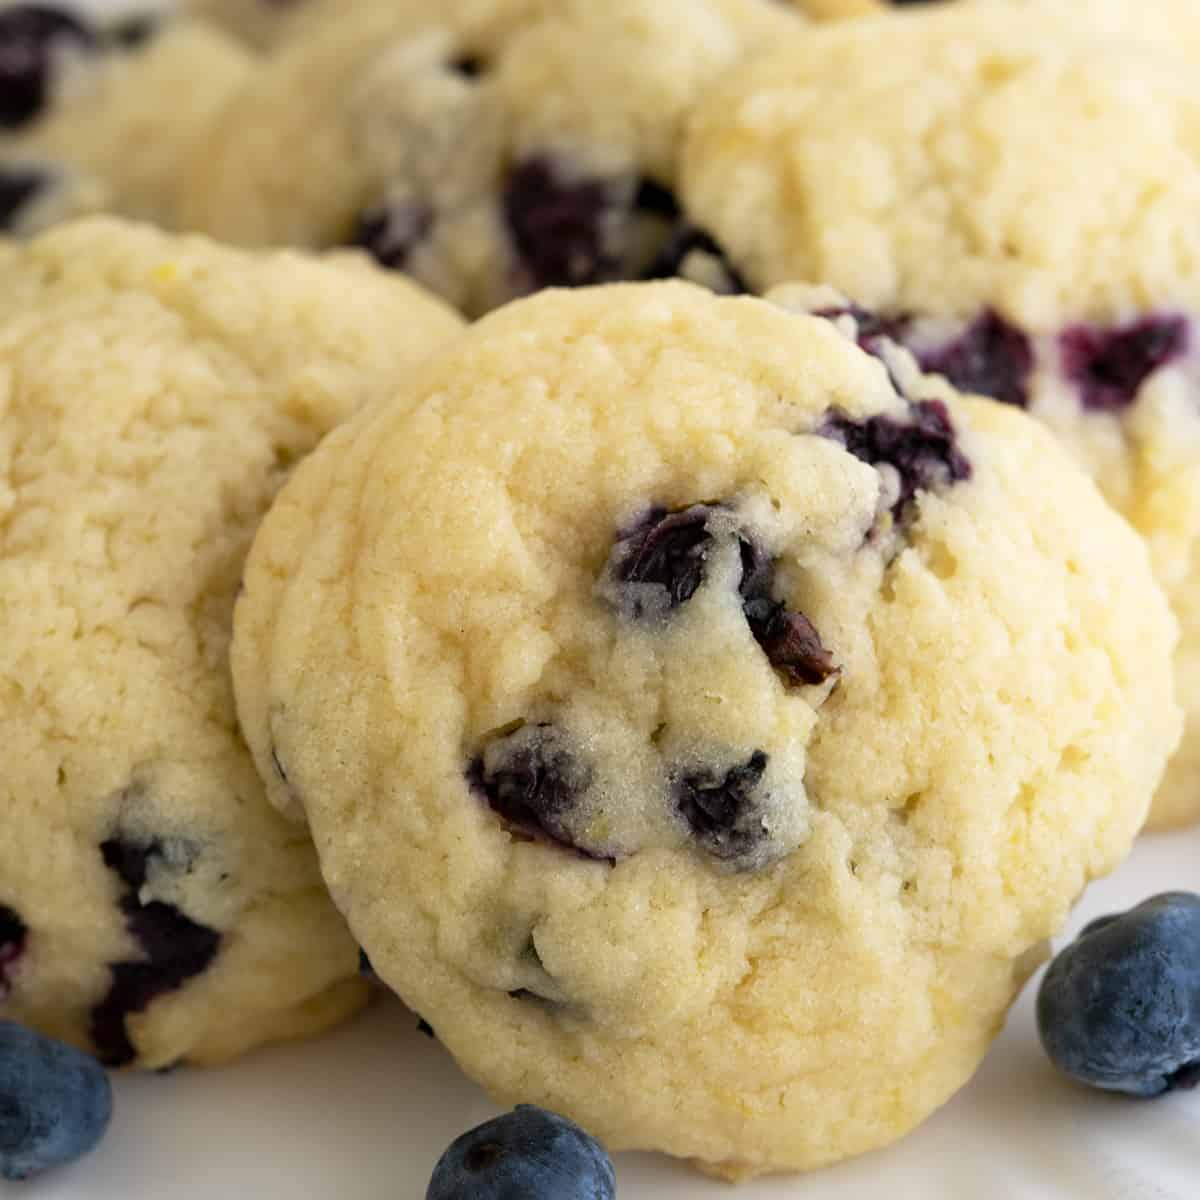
(364, 1113)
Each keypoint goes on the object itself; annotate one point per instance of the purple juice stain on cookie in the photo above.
(534, 780)
(922, 449)
(33, 38)
(990, 357)
(670, 550)
(562, 223)
(14, 934)
(390, 232)
(724, 813)
(175, 949)
(1109, 365)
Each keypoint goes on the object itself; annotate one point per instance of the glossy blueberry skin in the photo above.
(55, 1102)
(527, 1154)
(1119, 1008)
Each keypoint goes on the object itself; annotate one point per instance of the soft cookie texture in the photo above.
(153, 907)
(905, 161)
(96, 117)
(488, 150)
(663, 689)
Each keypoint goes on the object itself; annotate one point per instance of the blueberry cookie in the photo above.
(487, 150)
(1020, 212)
(98, 117)
(660, 681)
(153, 907)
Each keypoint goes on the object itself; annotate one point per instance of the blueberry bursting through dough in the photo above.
(658, 677)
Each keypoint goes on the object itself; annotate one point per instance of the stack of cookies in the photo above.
(699, 687)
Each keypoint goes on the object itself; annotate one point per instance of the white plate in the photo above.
(364, 1113)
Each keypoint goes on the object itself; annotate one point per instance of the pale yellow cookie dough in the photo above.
(155, 392)
(1019, 208)
(486, 149)
(666, 698)
(121, 123)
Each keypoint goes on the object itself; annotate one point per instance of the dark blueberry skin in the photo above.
(533, 783)
(18, 185)
(175, 949)
(55, 1102)
(391, 232)
(1108, 366)
(1119, 1009)
(527, 1154)
(722, 813)
(560, 223)
(671, 549)
(13, 937)
(991, 357)
(923, 449)
(30, 37)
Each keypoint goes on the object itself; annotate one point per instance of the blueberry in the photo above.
(55, 1102)
(562, 223)
(1109, 365)
(175, 948)
(18, 185)
(1119, 1009)
(991, 357)
(923, 449)
(527, 1154)
(391, 232)
(724, 814)
(31, 37)
(788, 639)
(691, 253)
(13, 936)
(670, 549)
(534, 781)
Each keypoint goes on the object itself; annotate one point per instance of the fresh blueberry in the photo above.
(534, 781)
(923, 450)
(31, 38)
(55, 1102)
(724, 813)
(1119, 1008)
(527, 1154)
(13, 936)
(391, 232)
(1109, 366)
(175, 947)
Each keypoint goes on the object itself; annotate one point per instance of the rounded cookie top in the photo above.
(153, 906)
(1059, 272)
(488, 158)
(94, 116)
(662, 689)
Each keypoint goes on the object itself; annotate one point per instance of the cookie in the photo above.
(153, 907)
(98, 117)
(659, 678)
(907, 162)
(488, 150)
